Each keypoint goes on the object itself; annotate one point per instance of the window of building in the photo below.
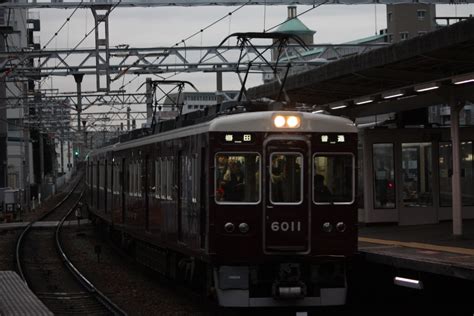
(286, 178)
(421, 14)
(446, 172)
(237, 178)
(390, 38)
(403, 36)
(417, 178)
(333, 178)
(384, 176)
(389, 17)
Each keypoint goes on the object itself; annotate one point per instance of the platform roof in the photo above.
(435, 57)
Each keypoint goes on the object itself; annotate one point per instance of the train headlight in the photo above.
(244, 228)
(286, 121)
(293, 121)
(229, 227)
(279, 121)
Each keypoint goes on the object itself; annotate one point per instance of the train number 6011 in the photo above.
(286, 226)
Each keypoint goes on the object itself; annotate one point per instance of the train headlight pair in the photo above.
(286, 121)
(243, 227)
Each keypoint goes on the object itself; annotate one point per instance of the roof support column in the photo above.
(456, 107)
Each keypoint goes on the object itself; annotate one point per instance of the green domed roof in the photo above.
(294, 26)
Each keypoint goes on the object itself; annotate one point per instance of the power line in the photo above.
(183, 41)
(82, 40)
(62, 26)
(298, 15)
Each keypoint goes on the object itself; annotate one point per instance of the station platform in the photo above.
(17, 299)
(425, 248)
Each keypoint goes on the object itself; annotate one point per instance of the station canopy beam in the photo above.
(65, 4)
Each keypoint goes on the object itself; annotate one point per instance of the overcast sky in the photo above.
(154, 27)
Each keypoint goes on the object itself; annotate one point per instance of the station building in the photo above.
(405, 159)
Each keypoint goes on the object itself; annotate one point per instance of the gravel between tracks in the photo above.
(135, 291)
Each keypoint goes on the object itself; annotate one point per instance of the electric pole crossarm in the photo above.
(161, 60)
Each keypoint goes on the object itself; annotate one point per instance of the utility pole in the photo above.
(128, 118)
(219, 86)
(3, 123)
(78, 78)
(149, 101)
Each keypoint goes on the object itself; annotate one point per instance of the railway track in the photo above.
(42, 263)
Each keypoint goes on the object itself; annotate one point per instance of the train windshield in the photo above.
(333, 180)
(237, 178)
(286, 178)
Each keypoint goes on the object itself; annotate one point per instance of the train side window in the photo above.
(237, 178)
(194, 180)
(139, 178)
(333, 178)
(130, 179)
(164, 184)
(101, 175)
(286, 178)
(169, 179)
(157, 178)
(93, 175)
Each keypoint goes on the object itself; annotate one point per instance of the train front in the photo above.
(283, 216)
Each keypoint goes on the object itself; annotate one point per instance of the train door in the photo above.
(181, 182)
(147, 177)
(202, 174)
(106, 184)
(287, 203)
(124, 181)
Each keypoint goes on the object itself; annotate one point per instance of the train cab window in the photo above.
(286, 178)
(333, 178)
(237, 178)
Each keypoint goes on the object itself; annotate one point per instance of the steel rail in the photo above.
(86, 284)
(20, 239)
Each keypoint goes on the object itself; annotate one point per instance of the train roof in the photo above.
(244, 122)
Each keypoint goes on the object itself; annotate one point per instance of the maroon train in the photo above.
(258, 206)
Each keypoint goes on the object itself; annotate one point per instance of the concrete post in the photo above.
(149, 101)
(78, 79)
(456, 177)
(41, 153)
(3, 126)
(128, 118)
(219, 86)
(367, 176)
(62, 149)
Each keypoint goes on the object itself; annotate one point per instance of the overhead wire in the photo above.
(296, 16)
(82, 40)
(200, 31)
(68, 19)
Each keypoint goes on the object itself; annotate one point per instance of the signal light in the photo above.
(76, 153)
